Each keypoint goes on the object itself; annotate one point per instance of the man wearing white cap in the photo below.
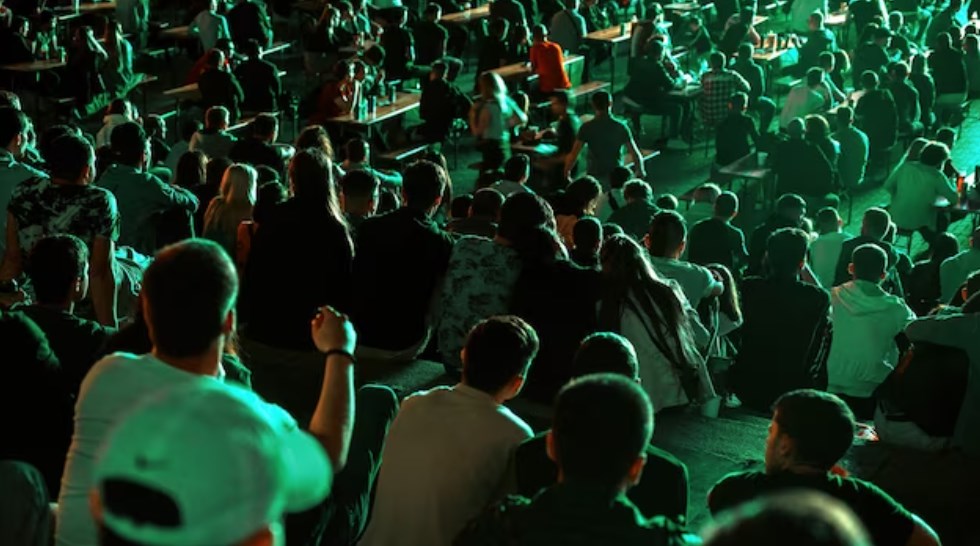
(205, 464)
(188, 303)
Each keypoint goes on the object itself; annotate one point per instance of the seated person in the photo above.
(806, 98)
(825, 250)
(547, 62)
(219, 87)
(914, 187)
(666, 241)
(801, 167)
(638, 212)
(258, 78)
(517, 171)
(663, 487)
(602, 426)
(737, 134)
(142, 197)
(249, 20)
(715, 240)
(767, 304)
(954, 271)
(853, 159)
(58, 270)
(866, 322)
(493, 51)
(359, 159)
(755, 75)
(430, 446)
(906, 99)
(481, 216)
(359, 197)
(647, 91)
(259, 147)
(874, 225)
(586, 241)
(399, 45)
(431, 38)
(739, 29)
(209, 26)
(876, 115)
(214, 139)
(338, 96)
(809, 434)
(702, 204)
(818, 40)
(118, 112)
(790, 212)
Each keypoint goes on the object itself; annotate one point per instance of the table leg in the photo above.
(612, 68)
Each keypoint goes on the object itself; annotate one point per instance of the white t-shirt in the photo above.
(695, 281)
(445, 459)
(824, 253)
(115, 385)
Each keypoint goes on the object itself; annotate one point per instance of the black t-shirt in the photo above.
(78, 343)
(662, 491)
(566, 130)
(510, 10)
(256, 152)
(906, 102)
(948, 71)
(817, 42)
(397, 41)
(754, 74)
(220, 88)
(714, 241)
(492, 53)
(260, 82)
(733, 36)
(887, 521)
(735, 137)
(430, 42)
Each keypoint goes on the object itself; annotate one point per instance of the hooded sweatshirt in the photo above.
(110, 122)
(866, 320)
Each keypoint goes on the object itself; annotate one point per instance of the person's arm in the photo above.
(333, 419)
(959, 331)
(946, 188)
(572, 157)
(175, 196)
(104, 284)
(638, 167)
(922, 534)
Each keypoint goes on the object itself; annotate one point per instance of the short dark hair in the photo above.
(875, 222)
(786, 250)
(269, 195)
(251, 48)
(814, 76)
(726, 205)
(487, 202)
(215, 115)
(869, 79)
(517, 167)
(12, 123)
(9, 99)
(739, 101)
(460, 207)
(717, 59)
(356, 150)
(666, 202)
(117, 106)
(845, 115)
(790, 202)
(601, 100)
(423, 183)
(562, 96)
(619, 176)
(828, 218)
(498, 349)
(667, 232)
(934, 154)
(602, 423)
(870, 263)
(637, 190)
(214, 171)
(188, 291)
(606, 352)
(128, 142)
(359, 184)
(587, 233)
(54, 264)
(539, 32)
(264, 125)
(70, 155)
(819, 423)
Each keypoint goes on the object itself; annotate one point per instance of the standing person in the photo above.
(716, 241)
(238, 193)
(767, 303)
(219, 87)
(567, 27)
(657, 319)
(430, 446)
(809, 434)
(548, 62)
(440, 105)
(431, 38)
(606, 136)
(248, 20)
(853, 159)
(866, 321)
(259, 79)
(209, 26)
(914, 188)
(926, 87)
(398, 42)
(492, 120)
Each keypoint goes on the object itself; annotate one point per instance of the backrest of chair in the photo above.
(574, 67)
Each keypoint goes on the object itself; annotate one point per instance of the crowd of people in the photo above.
(155, 291)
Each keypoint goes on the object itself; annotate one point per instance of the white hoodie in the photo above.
(111, 121)
(866, 320)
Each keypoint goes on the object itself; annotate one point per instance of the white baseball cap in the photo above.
(230, 462)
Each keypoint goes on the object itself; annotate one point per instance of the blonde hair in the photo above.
(239, 185)
(492, 86)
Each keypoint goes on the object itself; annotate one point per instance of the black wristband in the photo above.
(340, 352)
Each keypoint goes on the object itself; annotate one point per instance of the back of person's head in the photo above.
(188, 128)
(726, 206)
(239, 185)
(601, 428)
(945, 246)
(498, 351)
(606, 352)
(587, 234)
(738, 102)
(609, 230)
(215, 171)
(118, 106)
(215, 58)
(667, 234)
(791, 206)
(845, 116)
(487, 203)
(828, 220)
(814, 76)
(619, 176)
(827, 61)
(359, 187)
(58, 269)
(745, 51)
(819, 425)
(899, 70)
(9, 99)
(154, 125)
(423, 184)
(267, 174)
(460, 207)
(747, 14)
(582, 193)
(869, 263)
(517, 168)
(816, 18)
(71, 158)
(717, 60)
(800, 518)
(795, 128)
(817, 128)
(934, 154)
(356, 150)
(217, 117)
(432, 12)
(655, 48)
(601, 101)
(252, 49)
(786, 251)
(869, 79)
(189, 293)
(946, 135)
(637, 190)
(498, 27)
(264, 126)
(944, 41)
(439, 69)
(539, 32)
(270, 194)
(311, 180)
(250, 465)
(191, 169)
(875, 223)
(129, 143)
(667, 202)
(13, 123)
(919, 65)
(523, 212)
(706, 193)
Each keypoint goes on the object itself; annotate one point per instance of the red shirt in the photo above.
(548, 63)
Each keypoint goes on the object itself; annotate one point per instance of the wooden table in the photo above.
(837, 21)
(768, 57)
(404, 103)
(610, 37)
(687, 7)
(34, 66)
(521, 71)
(467, 16)
(750, 168)
(969, 207)
(851, 101)
(94, 7)
(176, 33)
(191, 92)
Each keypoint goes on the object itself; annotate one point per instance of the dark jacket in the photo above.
(220, 88)
(249, 21)
(260, 82)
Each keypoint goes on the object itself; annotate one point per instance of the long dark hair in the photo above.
(312, 185)
(527, 223)
(629, 281)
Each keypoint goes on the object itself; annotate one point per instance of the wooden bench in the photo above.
(402, 155)
(646, 155)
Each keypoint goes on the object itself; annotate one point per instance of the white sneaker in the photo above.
(732, 401)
